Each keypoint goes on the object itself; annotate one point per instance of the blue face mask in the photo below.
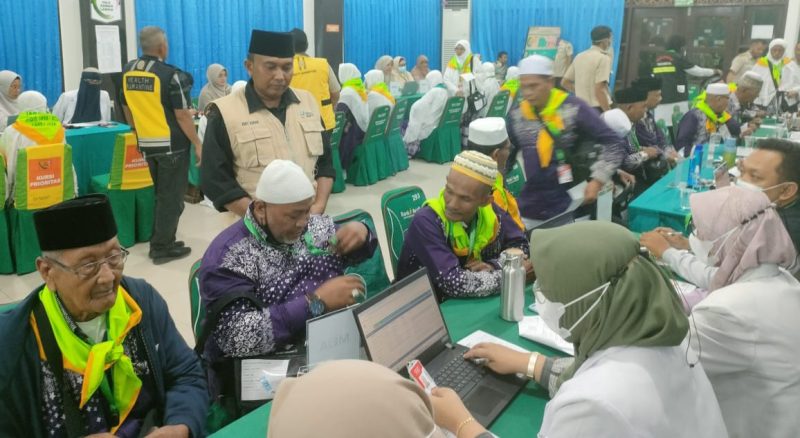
(403, 69)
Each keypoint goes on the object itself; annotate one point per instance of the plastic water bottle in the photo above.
(695, 165)
(713, 142)
(729, 156)
(512, 287)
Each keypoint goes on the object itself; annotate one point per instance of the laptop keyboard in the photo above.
(460, 375)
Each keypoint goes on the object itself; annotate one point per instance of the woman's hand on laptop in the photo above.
(499, 359)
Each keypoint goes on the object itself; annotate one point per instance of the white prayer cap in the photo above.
(718, 89)
(237, 85)
(32, 101)
(488, 131)
(536, 65)
(373, 77)
(618, 121)
(751, 79)
(512, 73)
(777, 42)
(284, 182)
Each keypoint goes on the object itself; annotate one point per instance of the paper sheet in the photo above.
(109, 51)
(479, 336)
(533, 328)
(762, 31)
(261, 377)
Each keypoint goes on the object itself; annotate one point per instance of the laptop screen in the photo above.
(403, 324)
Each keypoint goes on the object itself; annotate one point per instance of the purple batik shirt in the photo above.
(280, 275)
(426, 245)
(542, 197)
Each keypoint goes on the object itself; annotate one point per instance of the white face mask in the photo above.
(750, 186)
(403, 69)
(551, 312)
(702, 248)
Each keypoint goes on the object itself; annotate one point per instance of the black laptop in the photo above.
(404, 323)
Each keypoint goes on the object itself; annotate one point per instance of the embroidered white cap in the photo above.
(718, 89)
(284, 182)
(618, 121)
(536, 65)
(488, 131)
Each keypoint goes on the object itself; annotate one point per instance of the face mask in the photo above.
(403, 69)
(702, 248)
(750, 186)
(551, 312)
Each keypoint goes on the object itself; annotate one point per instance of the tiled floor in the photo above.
(199, 225)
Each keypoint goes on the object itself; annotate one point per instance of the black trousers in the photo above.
(170, 177)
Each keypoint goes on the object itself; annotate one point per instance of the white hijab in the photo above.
(776, 42)
(426, 113)
(434, 78)
(467, 50)
(489, 86)
(8, 105)
(350, 97)
(375, 100)
(372, 78)
(512, 73)
(32, 101)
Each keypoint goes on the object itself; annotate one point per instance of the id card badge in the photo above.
(420, 376)
(564, 173)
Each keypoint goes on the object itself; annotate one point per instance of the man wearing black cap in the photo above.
(589, 74)
(647, 130)
(265, 121)
(91, 351)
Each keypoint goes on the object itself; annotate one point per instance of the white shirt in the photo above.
(635, 392)
(65, 107)
(749, 335)
(425, 115)
(687, 265)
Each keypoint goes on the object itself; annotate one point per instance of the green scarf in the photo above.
(91, 361)
(712, 116)
(634, 140)
(358, 85)
(641, 308)
(482, 232)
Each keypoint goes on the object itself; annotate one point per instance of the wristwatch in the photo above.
(315, 305)
(644, 155)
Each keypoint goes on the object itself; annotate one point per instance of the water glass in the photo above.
(679, 174)
(686, 193)
(749, 142)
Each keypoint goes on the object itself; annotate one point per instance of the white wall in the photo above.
(72, 42)
(792, 32)
(308, 23)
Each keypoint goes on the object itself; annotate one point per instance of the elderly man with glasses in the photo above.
(92, 352)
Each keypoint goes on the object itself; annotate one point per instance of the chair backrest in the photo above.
(452, 112)
(129, 169)
(377, 124)
(515, 179)
(2, 181)
(398, 207)
(677, 115)
(44, 176)
(373, 269)
(398, 116)
(336, 135)
(662, 125)
(499, 104)
(7, 307)
(195, 299)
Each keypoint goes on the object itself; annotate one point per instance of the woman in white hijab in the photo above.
(378, 92)
(460, 63)
(385, 64)
(772, 70)
(353, 102)
(10, 87)
(400, 73)
(216, 87)
(488, 86)
(426, 113)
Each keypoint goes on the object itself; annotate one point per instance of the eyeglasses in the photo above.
(89, 270)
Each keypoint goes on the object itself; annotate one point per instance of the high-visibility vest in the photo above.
(311, 74)
(142, 89)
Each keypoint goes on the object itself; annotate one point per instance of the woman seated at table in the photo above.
(378, 403)
(86, 104)
(425, 114)
(747, 330)
(353, 102)
(378, 95)
(631, 375)
(10, 88)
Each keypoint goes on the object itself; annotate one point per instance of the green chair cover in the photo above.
(373, 269)
(398, 207)
(394, 138)
(336, 138)
(499, 104)
(365, 168)
(6, 262)
(444, 143)
(515, 179)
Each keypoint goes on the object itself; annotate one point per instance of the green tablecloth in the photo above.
(522, 418)
(92, 149)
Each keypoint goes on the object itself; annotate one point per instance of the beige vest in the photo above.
(258, 138)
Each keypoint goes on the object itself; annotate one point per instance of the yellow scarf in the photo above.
(358, 85)
(42, 128)
(553, 121)
(483, 232)
(512, 85)
(465, 68)
(383, 90)
(777, 68)
(506, 201)
(92, 361)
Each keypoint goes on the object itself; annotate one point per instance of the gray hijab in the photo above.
(211, 91)
(7, 104)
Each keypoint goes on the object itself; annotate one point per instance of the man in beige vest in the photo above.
(264, 121)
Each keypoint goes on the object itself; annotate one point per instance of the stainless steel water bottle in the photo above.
(512, 287)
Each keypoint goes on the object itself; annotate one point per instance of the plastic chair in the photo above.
(515, 179)
(50, 181)
(6, 263)
(336, 138)
(394, 138)
(130, 191)
(398, 207)
(373, 269)
(370, 161)
(444, 143)
(499, 105)
(195, 299)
